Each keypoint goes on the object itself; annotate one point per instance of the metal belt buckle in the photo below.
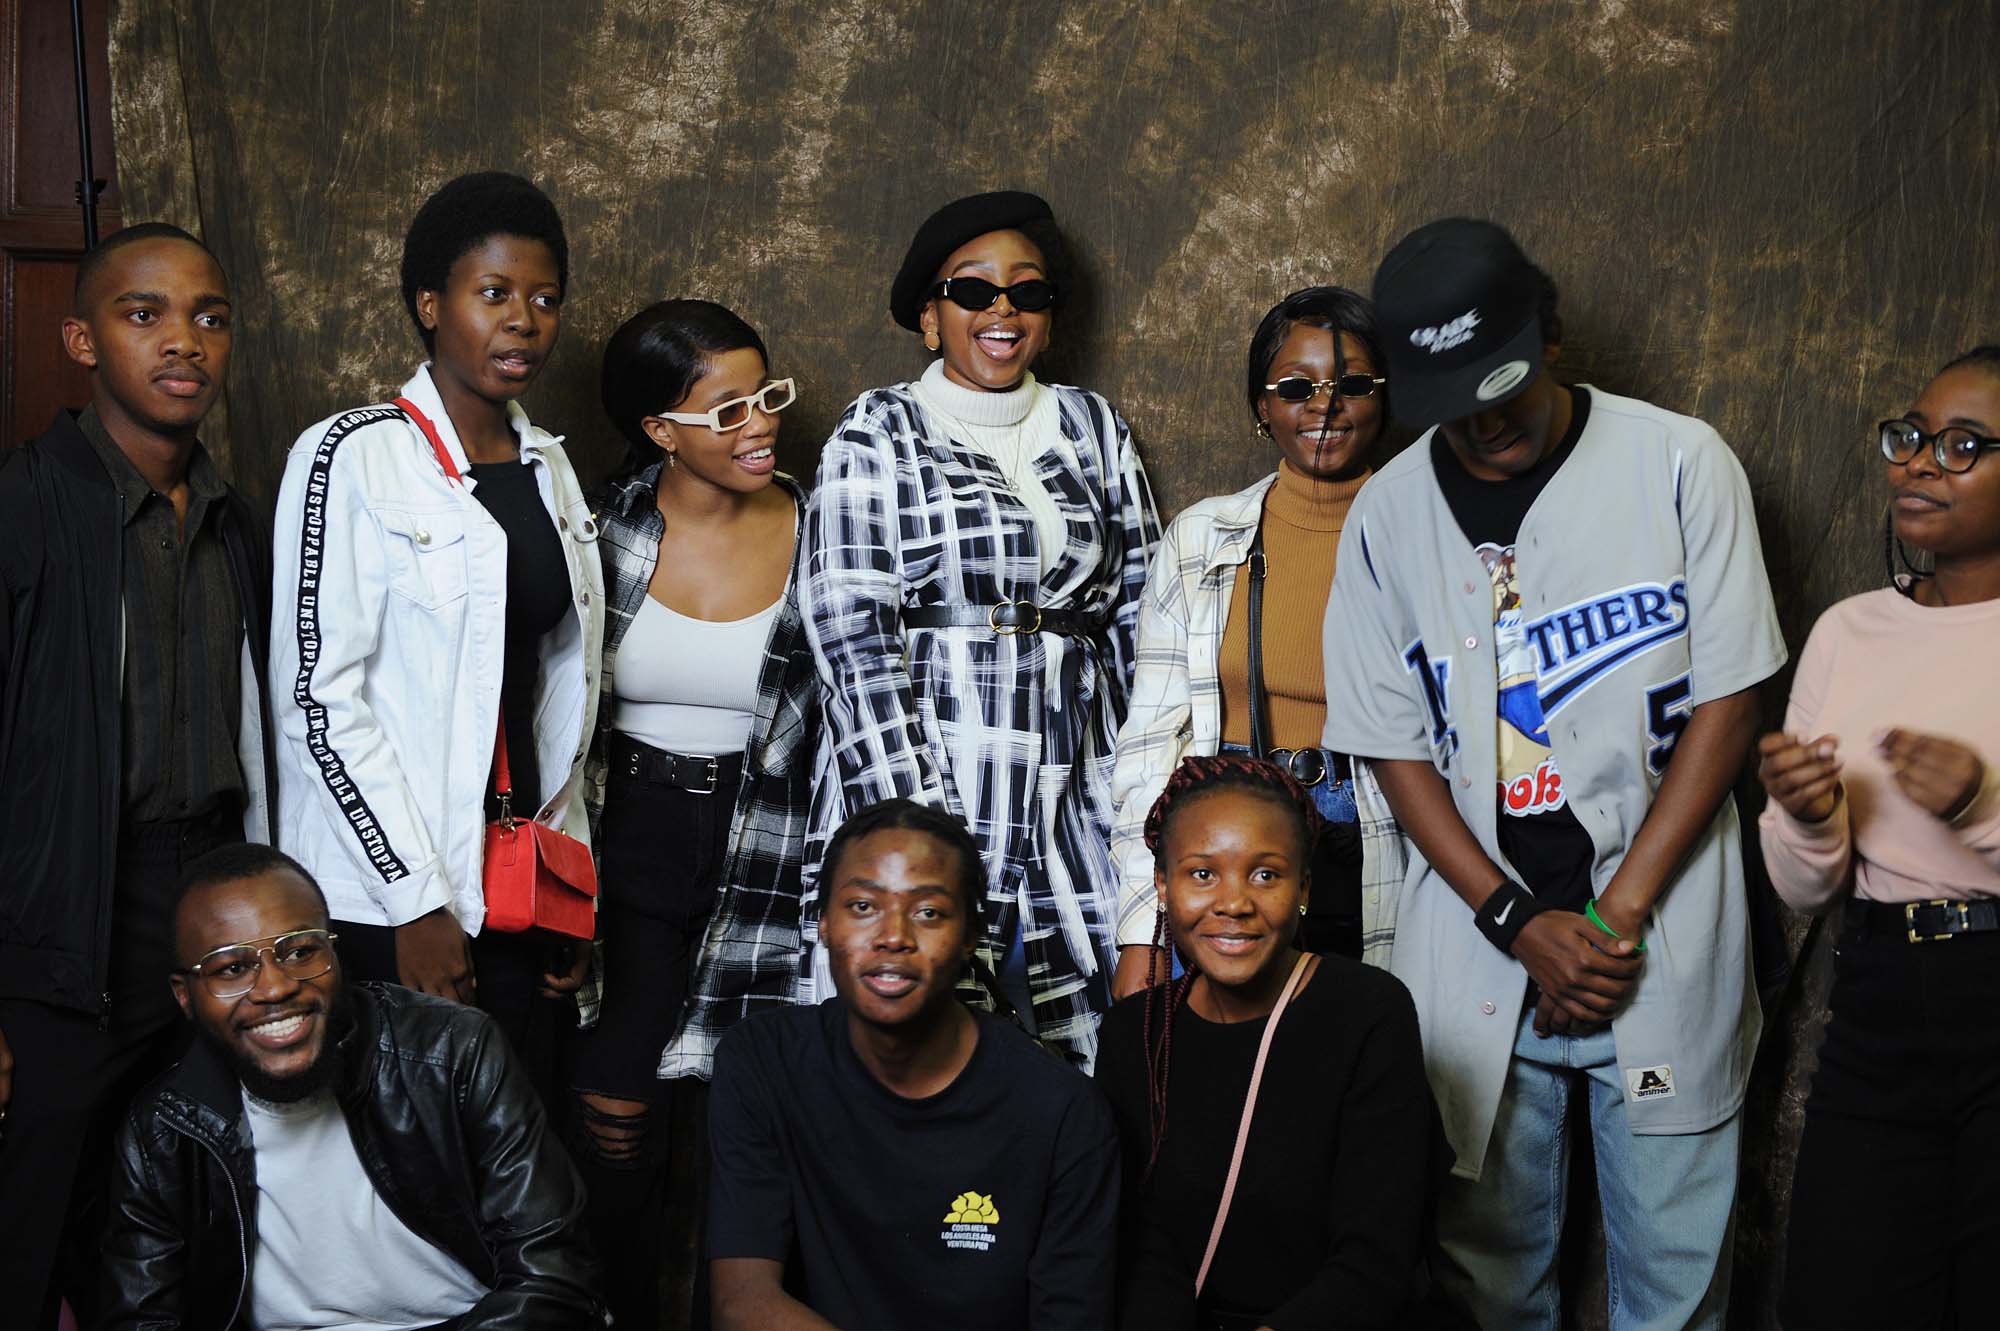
(1964, 918)
(1007, 630)
(714, 772)
(1290, 762)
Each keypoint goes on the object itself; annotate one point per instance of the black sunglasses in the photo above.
(1031, 295)
(1298, 388)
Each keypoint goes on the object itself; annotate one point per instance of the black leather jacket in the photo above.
(449, 1130)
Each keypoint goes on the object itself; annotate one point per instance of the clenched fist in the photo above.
(1802, 775)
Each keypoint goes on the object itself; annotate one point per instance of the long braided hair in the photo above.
(1195, 778)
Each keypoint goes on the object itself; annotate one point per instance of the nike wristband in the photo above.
(1505, 912)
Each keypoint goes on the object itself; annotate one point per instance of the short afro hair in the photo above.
(95, 258)
(235, 862)
(459, 217)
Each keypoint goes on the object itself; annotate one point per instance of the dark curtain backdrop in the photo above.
(1776, 215)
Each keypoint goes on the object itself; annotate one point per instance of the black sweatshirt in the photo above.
(1326, 1226)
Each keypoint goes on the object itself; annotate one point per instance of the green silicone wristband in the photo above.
(1590, 913)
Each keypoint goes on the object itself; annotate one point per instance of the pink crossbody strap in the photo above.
(1249, 1108)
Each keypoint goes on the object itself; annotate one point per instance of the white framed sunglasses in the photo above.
(734, 414)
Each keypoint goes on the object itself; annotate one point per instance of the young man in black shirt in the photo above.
(917, 1164)
(135, 591)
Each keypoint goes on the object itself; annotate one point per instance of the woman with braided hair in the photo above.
(1326, 1205)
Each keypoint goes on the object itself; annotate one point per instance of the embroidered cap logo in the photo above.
(1448, 335)
(1503, 380)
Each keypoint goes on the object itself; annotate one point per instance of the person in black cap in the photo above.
(976, 546)
(1546, 630)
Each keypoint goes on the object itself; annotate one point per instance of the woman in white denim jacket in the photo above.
(414, 609)
(1316, 394)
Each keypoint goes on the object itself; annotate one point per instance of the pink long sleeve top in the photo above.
(1875, 662)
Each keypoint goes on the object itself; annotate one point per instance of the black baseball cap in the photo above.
(1458, 304)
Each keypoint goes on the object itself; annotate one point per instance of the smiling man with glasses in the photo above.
(332, 1156)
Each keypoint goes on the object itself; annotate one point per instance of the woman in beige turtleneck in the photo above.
(1316, 391)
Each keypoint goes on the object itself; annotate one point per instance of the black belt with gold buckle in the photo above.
(1005, 619)
(1309, 767)
(1924, 921)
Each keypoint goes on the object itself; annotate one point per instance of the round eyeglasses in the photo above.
(1954, 447)
(231, 972)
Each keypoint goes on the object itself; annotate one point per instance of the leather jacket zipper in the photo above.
(235, 1201)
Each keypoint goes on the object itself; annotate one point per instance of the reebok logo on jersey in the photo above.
(1447, 335)
(1583, 642)
(1649, 1083)
(1539, 791)
(971, 1222)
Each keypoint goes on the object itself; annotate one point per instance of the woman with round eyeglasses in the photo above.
(976, 545)
(1885, 800)
(1229, 633)
(700, 780)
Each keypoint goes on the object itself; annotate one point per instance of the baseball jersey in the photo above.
(1643, 596)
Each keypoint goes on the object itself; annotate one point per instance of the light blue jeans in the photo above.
(1668, 1202)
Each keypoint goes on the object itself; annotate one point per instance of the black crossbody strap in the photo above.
(1260, 725)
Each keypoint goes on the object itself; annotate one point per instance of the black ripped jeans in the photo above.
(662, 851)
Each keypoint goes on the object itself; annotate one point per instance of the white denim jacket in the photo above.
(388, 623)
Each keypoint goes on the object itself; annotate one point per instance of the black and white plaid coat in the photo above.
(751, 954)
(1013, 733)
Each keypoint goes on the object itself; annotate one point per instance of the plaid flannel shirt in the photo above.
(1177, 710)
(1011, 732)
(750, 955)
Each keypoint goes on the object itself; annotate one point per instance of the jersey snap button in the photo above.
(562, 524)
(1471, 642)
(1466, 782)
(1468, 589)
(423, 537)
(1488, 1008)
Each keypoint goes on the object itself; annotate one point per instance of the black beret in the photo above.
(948, 228)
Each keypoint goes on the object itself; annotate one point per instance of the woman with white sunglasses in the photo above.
(700, 778)
(976, 545)
(1226, 664)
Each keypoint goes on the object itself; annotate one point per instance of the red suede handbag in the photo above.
(536, 877)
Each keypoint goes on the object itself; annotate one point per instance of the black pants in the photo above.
(663, 851)
(1896, 1205)
(75, 1073)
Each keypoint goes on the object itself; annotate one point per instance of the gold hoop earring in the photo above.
(931, 342)
(1264, 430)
(1302, 909)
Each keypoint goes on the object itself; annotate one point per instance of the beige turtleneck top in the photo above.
(1302, 521)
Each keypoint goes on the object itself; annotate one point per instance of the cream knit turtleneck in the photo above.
(1011, 429)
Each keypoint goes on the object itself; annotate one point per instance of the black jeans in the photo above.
(1896, 1205)
(75, 1073)
(663, 851)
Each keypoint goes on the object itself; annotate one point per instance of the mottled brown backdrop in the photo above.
(1776, 214)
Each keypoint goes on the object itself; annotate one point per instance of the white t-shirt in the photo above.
(331, 1256)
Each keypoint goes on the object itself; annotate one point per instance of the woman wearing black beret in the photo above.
(976, 546)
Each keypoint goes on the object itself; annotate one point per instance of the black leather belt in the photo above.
(1923, 921)
(1005, 619)
(1309, 767)
(696, 773)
